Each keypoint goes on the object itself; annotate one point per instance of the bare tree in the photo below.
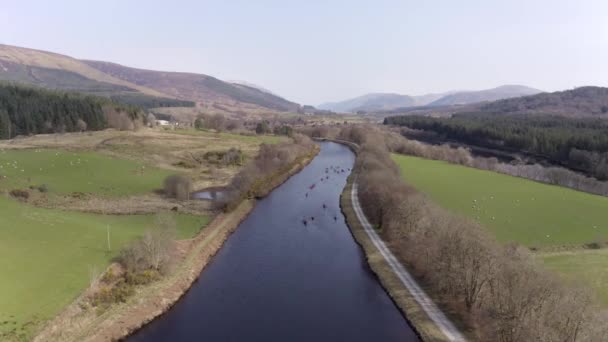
(177, 186)
(82, 126)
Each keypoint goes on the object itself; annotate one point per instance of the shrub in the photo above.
(118, 293)
(262, 128)
(233, 157)
(177, 186)
(43, 188)
(20, 194)
(154, 250)
(109, 277)
(142, 278)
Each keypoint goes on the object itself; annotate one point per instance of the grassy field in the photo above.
(589, 266)
(530, 213)
(514, 209)
(46, 255)
(252, 139)
(65, 172)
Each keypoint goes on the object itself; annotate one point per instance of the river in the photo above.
(291, 272)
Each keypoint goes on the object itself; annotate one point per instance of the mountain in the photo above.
(251, 85)
(196, 87)
(468, 97)
(378, 102)
(56, 71)
(579, 102)
(370, 102)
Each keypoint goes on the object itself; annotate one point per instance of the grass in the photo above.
(65, 172)
(46, 256)
(514, 209)
(590, 267)
(259, 139)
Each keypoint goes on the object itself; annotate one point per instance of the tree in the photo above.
(5, 125)
(216, 122)
(199, 123)
(177, 186)
(262, 128)
(150, 120)
(82, 126)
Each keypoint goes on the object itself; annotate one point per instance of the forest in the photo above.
(578, 143)
(146, 101)
(27, 110)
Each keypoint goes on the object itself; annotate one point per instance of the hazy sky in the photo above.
(312, 51)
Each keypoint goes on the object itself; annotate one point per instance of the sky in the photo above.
(315, 51)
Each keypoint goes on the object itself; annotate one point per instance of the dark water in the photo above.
(277, 279)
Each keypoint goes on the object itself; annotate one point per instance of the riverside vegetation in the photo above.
(497, 291)
(121, 304)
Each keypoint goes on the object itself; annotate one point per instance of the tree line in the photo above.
(27, 110)
(498, 291)
(580, 144)
(146, 101)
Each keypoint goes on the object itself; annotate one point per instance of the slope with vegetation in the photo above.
(145, 88)
(578, 102)
(196, 87)
(468, 97)
(581, 144)
(26, 110)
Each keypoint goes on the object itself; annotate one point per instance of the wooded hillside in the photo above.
(581, 144)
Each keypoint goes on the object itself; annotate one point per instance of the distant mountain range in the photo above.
(376, 102)
(55, 71)
(588, 101)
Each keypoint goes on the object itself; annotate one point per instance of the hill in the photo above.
(196, 87)
(135, 86)
(370, 102)
(388, 102)
(468, 97)
(579, 102)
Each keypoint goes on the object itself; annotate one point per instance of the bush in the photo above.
(20, 194)
(177, 186)
(142, 278)
(254, 178)
(43, 188)
(154, 250)
(118, 293)
(233, 157)
(262, 128)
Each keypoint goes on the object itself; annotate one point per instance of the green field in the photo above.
(46, 255)
(589, 266)
(514, 209)
(66, 172)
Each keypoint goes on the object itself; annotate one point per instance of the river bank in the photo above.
(415, 313)
(412, 310)
(292, 271)
(76, 323)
